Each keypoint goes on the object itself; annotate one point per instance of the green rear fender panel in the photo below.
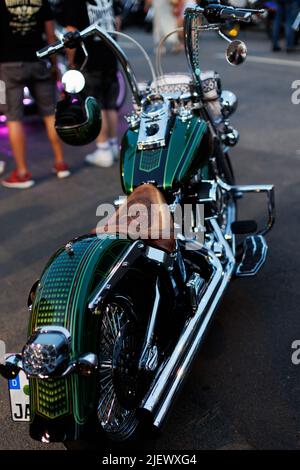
(61, 299)
(171, 166)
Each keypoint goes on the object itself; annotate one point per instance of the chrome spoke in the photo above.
(111, 414)
(107, 402)
(105, 376)
(111, 407)
(114, 333)
(106, 364)
(108, 394)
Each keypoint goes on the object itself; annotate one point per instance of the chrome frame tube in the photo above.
(256, 189)
(148, 344)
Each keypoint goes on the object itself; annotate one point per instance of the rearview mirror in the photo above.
(236, 53)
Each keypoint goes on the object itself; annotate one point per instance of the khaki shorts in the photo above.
(37, 77)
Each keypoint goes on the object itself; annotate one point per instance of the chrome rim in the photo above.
(113, 417)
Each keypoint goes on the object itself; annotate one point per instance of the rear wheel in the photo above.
(121, 387)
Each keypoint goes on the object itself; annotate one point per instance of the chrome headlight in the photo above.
(47, 352)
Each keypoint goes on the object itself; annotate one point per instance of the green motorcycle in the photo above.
(118, 316)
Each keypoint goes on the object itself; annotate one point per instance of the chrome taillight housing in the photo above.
(47, 352)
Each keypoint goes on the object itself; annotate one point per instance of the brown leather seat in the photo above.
(145, 215)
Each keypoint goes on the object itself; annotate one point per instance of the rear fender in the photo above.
(62, 408)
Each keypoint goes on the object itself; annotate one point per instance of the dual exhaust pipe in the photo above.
(171, 376)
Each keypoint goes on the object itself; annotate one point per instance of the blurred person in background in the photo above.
(100, 71)
(165, 20)
(22, 29)
(285, 14)
(179, 7)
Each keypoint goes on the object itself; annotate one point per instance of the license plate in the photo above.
(19, 398)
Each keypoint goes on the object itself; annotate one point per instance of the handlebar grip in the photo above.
(230, 13)
(49, 50)
(216, 13)
(70, 41)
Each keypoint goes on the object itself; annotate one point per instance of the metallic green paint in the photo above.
(171, 166)
(61, 299)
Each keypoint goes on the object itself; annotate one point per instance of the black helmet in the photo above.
(77, 119)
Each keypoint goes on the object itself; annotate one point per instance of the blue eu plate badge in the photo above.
(19, 397)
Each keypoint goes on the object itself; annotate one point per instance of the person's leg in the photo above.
(290, 15)
(110, 133)
(54, 139)
(60, 167)
(43, 89)
(17, 142)
(105, 87)
(105, 131)
(103, 155)
(14, 76)
(113, 120)
(277, 25)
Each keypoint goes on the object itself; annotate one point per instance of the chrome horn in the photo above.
(229, 103)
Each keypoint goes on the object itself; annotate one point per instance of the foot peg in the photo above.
(255, 252)
(244, 227)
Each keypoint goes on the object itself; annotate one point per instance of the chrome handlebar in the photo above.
(214, 14)
(50, 50)
(217, 13)
(73, 40)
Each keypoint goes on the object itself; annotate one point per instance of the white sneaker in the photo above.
(101, 157)
(115, 151)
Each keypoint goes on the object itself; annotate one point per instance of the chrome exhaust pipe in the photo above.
(169, 380)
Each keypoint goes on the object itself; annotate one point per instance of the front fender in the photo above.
(61, 408)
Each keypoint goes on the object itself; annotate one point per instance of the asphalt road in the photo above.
(244, 391)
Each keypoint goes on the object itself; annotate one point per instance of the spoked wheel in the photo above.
(121, 387)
